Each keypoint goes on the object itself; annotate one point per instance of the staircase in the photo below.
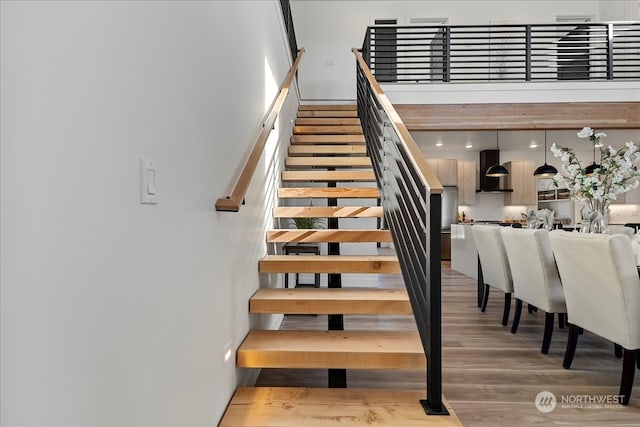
(328, 147)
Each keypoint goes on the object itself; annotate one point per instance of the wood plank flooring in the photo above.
(491, 377)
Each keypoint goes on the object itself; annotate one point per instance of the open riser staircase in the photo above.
(328, 164)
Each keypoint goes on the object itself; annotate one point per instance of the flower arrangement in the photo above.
(616, 174)
(595, 184)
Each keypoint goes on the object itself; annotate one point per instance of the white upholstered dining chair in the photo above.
(602, 292)
(621, 229)
(494, 265)
(535, 277)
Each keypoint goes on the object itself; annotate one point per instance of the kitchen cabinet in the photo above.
(522, 181)
(446, 170)
(556, 199)
(633, 196)
(445, 245)
(466, 182)
(630, 197)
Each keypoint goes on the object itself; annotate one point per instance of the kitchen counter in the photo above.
(464, 256)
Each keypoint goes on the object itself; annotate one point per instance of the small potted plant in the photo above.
(307, 223)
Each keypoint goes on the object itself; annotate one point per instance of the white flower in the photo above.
(586, 132)
(615, 175)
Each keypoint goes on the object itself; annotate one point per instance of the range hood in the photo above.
(490, 184)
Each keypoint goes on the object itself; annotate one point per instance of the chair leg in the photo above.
(485, 298)
(507, 309)
(516, 316)
(562, 320)
(532, 308)
(618, 350)
(572, 342)
(638, 359)
(480, 284)
(548, 331)
(628, 371)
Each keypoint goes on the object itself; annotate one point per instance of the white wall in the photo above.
(480, 93)
(329, 29)
(619, 10)
(113, 312)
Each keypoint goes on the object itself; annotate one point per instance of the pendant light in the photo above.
(545, 170)
(497, 171)
(593, 166)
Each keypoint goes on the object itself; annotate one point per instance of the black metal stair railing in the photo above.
(411, 199)
(488, 53)
(288, 23)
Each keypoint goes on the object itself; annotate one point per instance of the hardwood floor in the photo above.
(491, 377)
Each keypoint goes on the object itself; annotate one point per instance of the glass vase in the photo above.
(595, 216)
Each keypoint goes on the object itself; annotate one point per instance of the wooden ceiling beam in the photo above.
(520, 116)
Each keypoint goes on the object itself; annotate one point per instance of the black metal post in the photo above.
(337, 378)
(609, 51)
(447, 54)
(433, 405)
(527, 71)
(480, 283)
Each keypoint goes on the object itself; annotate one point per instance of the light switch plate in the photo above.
(148, 187)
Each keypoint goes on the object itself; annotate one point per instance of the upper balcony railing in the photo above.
(494, 53)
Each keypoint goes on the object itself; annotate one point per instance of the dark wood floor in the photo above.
(491, 377)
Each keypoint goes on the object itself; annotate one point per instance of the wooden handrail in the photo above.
(430, 179)
(233, 202)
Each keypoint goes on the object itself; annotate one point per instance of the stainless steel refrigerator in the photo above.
(449, 216)
(449, 207)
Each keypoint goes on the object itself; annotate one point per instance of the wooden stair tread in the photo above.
(315, 349)
(327, 121)
(326, 176)
(327, 113)
(328, 235)
(327, 162)
(321, 107)
(330, 407)
(329, 192)
(327, 139)
(330, 301)
(327, 130)
(378, 264)
(326, 149)
(328, 212)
